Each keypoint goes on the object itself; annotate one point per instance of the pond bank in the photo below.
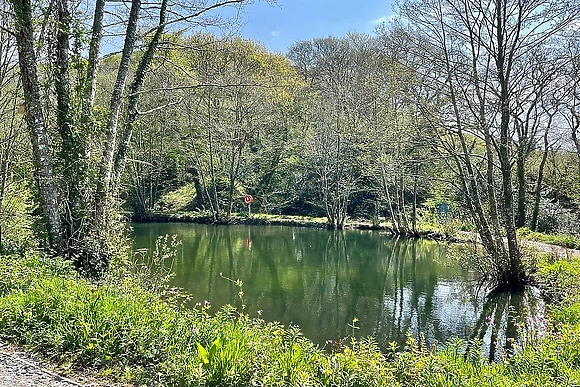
(282, 220)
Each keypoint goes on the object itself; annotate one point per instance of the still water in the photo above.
(320, 280)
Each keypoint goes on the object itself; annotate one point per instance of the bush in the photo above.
(16, 222)
(556, 219)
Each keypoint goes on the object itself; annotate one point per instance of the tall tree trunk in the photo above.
(134, 93)
(414, 214)
(212, 169)
(71, 150)
(514, 272)
(385, 187)
(93, 60)
(89, 84)
(106, 168)
(538, 188)
(576, 133)
(521, 177)
(35, 121)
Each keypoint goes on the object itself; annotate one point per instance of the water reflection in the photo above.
(320, 280)
(502, 312)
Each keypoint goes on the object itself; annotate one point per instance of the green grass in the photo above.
(564, 240)
(122, 330)
(176, 200)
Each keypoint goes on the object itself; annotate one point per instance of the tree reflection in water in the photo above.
(503, 311)
(321, 280)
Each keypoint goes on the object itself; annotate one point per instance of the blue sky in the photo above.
(280, 25)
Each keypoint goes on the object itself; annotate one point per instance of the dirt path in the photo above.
(19, 369)
(562, 252)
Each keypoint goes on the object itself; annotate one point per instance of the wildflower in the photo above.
(329, 341)
(509, 339)
(197, 304)
(260, 312)
(206, 304)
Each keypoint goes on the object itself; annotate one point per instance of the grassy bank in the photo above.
(122, 330)
(563, 240)
(285, 220)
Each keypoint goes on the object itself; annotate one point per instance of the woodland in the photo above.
(455, 116)
(471, 104)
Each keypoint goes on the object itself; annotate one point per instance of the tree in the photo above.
(478, 69)
(571, 85)
(14, 154)
(333, 68)
(72, 229)
(402, 145)
(241, 95)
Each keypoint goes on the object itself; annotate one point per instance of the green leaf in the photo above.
(202, 353)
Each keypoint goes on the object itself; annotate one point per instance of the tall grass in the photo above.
(123, 330)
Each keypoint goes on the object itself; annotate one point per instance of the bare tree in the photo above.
(478, 69)
(337, 117)
(37, 128)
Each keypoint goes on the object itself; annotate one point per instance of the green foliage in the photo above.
(133, 335)
(176, 200)
(564, 240)
(559, 279)
(16, 220)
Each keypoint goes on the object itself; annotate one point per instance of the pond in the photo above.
(321, 280)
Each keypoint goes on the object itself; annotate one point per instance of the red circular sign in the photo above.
(248, 199)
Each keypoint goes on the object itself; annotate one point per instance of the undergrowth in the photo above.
(122, 329)
(564, 240)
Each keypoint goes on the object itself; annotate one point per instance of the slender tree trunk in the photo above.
(93, 60)
(232, 170)
(575, 134)
(389, 201)
(538, 188)
(538, 192)
(415, 184)
(35, 121)
(90, 79)
(134, 93)
(216, 204)
(106, 168)
(402, 205)
(521, 177)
